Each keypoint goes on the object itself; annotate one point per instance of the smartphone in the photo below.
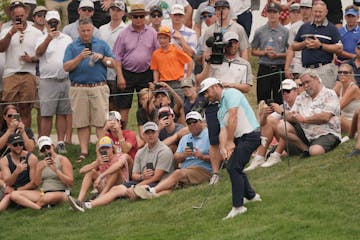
(150, 166)
(163, 114)
(103, 154)
(53, 25)
(269, 101)
(18, 20)
(112, 116)
(17, 116)
(88, 45)
(190, 145)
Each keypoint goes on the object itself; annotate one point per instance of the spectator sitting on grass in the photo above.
(152, 163)
(11, 123)
(17, 168)
(55, 173)
(109, 169)
(192, 153)
(355, 129)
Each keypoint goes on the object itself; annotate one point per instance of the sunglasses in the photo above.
(11, 115)
(44, 148)
(87, 9)
(286, 91)
(156, 15)
(138, 16)
(300, 85)
(21, 144)
(343, 72)
(40, 14)
(191, 121)
(206, 16)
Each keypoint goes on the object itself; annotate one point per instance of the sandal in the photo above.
(82, 157)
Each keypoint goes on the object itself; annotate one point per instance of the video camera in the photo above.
(217, 48)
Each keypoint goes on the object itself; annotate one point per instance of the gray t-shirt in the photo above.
(160, 156)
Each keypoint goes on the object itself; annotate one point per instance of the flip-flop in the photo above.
(82, 157)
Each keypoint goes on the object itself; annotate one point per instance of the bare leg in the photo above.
(52, 198)
(111, 180)
(115, 192)
(89, 178)
(25, 113)
(46, 125)
(68, 138)
(26, 198)
(60, 127)
(100, 132)
(125, 114)
(5, 202)
(84, 138)
(291, 135)
(168, 183)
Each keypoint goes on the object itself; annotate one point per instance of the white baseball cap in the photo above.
(194, 115)
(208, 82)
(113, 114)
(52, 15)
(150, 126)
(178, 9)
(306, 3)
(288, 84)
(230, 35)
(44, 141)
(86, 3)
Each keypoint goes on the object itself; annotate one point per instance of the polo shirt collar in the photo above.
(201, 135)
(132, 29)
(355, 29)
(324, 23)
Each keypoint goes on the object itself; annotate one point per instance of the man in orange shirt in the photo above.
(168, 62)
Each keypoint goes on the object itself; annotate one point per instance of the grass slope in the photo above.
(315, 198)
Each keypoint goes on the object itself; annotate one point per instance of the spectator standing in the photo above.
(109, 32)
(55, 174)
(239, 137)
(242, 11)
(270, 44)
(54, 83)
(156, 17)
(59, 6)
(86, 59)
(355, 63)
(134, 56)
(18, 44)
(152, 163)
(85, 10)
(350, 34)
(318, 41)
(335, 14)
(167, 6)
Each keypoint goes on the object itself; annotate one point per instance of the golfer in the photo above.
(239, 137)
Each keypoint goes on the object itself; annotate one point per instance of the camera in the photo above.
(190, 145)
(18, 20)
(112, 116)
(269, 101)
(89, 46)
(17, 117)
(53, 25)
(157, 86)
(150, 166)
(217, 48)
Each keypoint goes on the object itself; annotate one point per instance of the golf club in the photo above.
(207, 194)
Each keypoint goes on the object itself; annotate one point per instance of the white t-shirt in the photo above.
(16, 49)
(110, 36)
(51, 62)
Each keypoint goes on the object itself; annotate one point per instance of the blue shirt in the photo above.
(83, 73)
(326, 33)
(246, 119)
(349, 39)
(200, 142)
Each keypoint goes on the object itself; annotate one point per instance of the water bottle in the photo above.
(270, 43)
(91, 62)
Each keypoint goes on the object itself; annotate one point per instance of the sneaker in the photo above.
(305, 154)
(61, 148)
(270, 151)
(354, 152)
(344, 139)
(214, 179)
(255, 162)
(273, 159)
(144, 192)
(76, 204)
(235, 211)
(257, 198)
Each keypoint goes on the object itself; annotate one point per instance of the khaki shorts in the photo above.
(89, 105)
(19, 87)
(195, 175)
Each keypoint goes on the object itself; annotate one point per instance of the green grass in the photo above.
(315, 198)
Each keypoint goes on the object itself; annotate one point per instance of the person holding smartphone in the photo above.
(109, 169)
(12, 123)
(54, 173)
(154, 152)
(18, 168)
(193, 155)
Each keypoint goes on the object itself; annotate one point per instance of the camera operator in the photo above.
(224, 24)
(235, 72)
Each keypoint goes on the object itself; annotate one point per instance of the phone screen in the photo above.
(150, 166)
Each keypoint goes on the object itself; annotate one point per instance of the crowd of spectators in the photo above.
(188, 63)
